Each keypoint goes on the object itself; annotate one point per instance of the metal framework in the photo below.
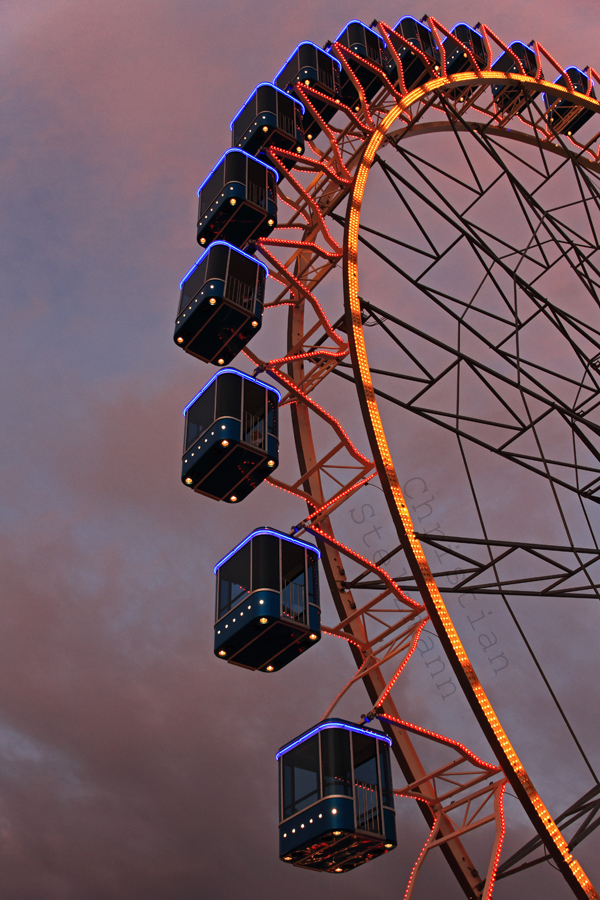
(479, 379)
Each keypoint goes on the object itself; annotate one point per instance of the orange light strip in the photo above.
(546, 824)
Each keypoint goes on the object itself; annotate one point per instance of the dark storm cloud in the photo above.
(132, 763)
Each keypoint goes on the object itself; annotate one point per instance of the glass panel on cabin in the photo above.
(366, 790)
(217, 262)
(312, 579)
(266, 99)
(229, 396)
(212, 188)
(236, 167)
(356, 33)
(477, 44)
(271, 185)
(265, 562)
(286, 114)
(234, 581)
(325, 71)
(387, 792)
(308, 56)
(241, 280)
(293, 602)
(192, 285)
(288, 73)
(407, 28)
(300, 777)
(373, 47)
(427, 43)
(199, 416)
(244, 119)
(336, 765)
(272, 410)
(256, 191)
(253, 426)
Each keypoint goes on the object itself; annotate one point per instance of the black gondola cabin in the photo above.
(509, 99)
(313, 67)
(221, 304)
(458, 59)
(336, 802)
(368, 45)
(267, 608)
(269, 118)
(563, 115)
(231, 436)
(418, 64)
(237, 202)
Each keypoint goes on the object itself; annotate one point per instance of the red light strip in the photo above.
(373, 567)
(440, 739)
(303, 290)
(317, 211)
(400, 669)
(417, 865)
(301, 495)
(344, 637)
(275, 363)
(539, 50)
(298, 244)
(492, 877)
(350, 490)
(337, 426)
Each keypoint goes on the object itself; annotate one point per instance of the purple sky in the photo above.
(133, 764)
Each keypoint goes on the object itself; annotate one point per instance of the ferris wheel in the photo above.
(403, 243)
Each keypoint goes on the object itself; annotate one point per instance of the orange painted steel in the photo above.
(488, 720)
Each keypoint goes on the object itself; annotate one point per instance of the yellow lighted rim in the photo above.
(370, 150)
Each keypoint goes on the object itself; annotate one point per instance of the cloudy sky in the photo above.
(133, 764)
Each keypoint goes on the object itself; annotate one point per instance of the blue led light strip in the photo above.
(222, 244)
(273, 87)
(317, 728)
(302, 44)
(277, 534)
(236, 150)
(235, 372)
(362, 24)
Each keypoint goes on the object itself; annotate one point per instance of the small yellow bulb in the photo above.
(271, 222)
(309, 136)
(337, 832)
(265, 127)
(222, 653)
(233, 498)
(254, 323)
(188, 480)
(287, 858)
(220, 362)
(263, 620)
(202, 240)
(233, 201)
(313, 637)
(388, 846)
(339, 870)
(307, 82)
(270, 463)
(298, 149)
(212, 301)
(180, 340)
(270, 669)
(224, 443)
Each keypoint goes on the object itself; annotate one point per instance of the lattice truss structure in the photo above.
(484, 325)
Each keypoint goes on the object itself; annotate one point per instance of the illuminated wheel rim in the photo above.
(341, 170)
